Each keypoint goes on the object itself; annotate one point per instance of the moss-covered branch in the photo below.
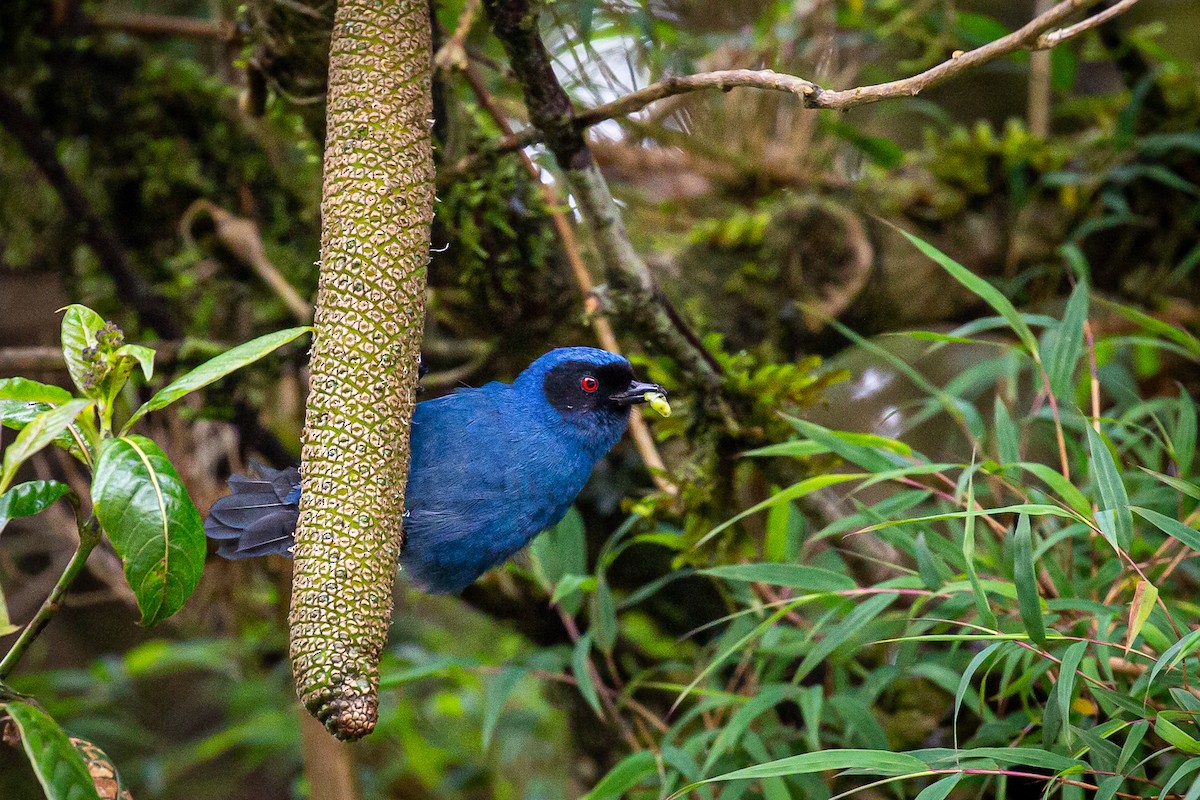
(376, 214)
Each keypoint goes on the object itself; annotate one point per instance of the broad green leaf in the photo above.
(940, 790)
(79, 328)
(144, 357)
(795, 576)
(1145, 595)
(216, 368)
(60, 768)
(1113, 496)
(1170, 526)
(559, 552)
(580, 661)
(1029, 602)
(988, 293)
(29, 498)
(629, 772)
(495, 696)
(145, 510)
(603, 617)
(43, 430)
(27, 391)
(1065, 344)
(569, 586)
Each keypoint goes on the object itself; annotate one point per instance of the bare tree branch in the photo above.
(1037, 34)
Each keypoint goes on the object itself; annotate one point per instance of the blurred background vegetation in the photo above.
(161, 163)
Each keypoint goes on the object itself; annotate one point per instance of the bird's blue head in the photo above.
(589, 390)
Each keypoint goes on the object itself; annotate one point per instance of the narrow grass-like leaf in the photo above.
(216, 368)
(1027, 756)
(1183, 439)
(1133, 740)
(1145, 595)
(1113, 495)
(1186, 768)
(1065, 344)
(144, 508)
(765, 699)
(794, 449)
(941, 789)
(986, 616)
(988, 293)
(1025, 577)
(60, 768)
(1175, 654)
(39, 433)
(1175, 735)
(495, 696)
(580, 659)
(604, 617)
(842, 632)
(795, 576)
(794, 492)
(1186, 488)
(1156, 326)
(1008, 440)
(1107, 788)
(964, 683)
(629, 772)
(870, 762)
(29, 498)
(1170, 526)
(1061, 486)
(1066, 683)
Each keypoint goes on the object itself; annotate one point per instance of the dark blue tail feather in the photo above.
(259, 517)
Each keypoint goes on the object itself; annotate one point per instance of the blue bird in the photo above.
(490, 468)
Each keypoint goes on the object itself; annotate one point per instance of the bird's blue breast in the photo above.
(488, 472)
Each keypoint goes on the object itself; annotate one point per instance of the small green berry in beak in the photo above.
(658, 401)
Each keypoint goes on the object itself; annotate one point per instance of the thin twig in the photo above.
(642, 438)
(453, 54)
(89, 537)
(154, 25)
(1032, 36)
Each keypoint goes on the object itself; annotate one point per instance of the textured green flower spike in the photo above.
(658, 401)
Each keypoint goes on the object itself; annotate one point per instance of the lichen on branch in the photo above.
(377, 209)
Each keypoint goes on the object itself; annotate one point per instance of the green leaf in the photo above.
(6, 626)
(1170, 526)
(496, 695)
(839, 634)
(60, 768)
(1028, 756)
(765, 699)
(27, 391)
(43, 430)
(1133, 740)
(988, 293)
(1066, 682)
(1065, 344)
(144, 508)
(1029, 602)
(216, 368)
(871, 762)
(604, 617)
(1061, 486)
(144, 357)
(1008, 441)
(79, 328)
(629, 772)
(986, 615)
(580, 659)
(559, 552)
(1144, 598)
(940, 790)
(1156, 326)
(795, 576)
(796, 491)
(29, 498)
(1183, 439)
(1171, 733)
(1113, 496)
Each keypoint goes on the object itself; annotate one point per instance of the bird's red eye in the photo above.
(589, 384)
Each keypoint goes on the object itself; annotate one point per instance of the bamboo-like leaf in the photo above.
(496, 695)
(604, 617)
(43, 430)
(1025, 577)
(1156, 326)
(844, 631)
(1066, 683)
(1145, 595)
(765, 699)
(1170, 526)
(1175, 735)
(629, 772)
(1008, 441)
(216, 368)
(1061, 486)
(1133, 740)
(60, 768)
(1183, 439)
(580, 659)
(145, 510)
(986, 616)
(795, 576)
(29, 498)
(1174, 654)
(988, 293)
(870, 762)
(794, 492)
(1065, 344)
(940, 790)
(1113, 497)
